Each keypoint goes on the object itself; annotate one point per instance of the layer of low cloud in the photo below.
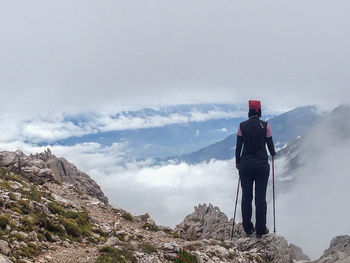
(50, 128)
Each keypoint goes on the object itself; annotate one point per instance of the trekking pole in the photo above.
(234, 214)
(273, 195)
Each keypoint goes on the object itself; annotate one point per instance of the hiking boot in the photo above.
(250, 231)
(260, 234)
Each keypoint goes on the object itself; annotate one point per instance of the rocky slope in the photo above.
(47, 219)
(46, 167)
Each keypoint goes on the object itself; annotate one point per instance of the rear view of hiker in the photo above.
(252, 163)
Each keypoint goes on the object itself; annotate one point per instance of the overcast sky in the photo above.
(97, 55)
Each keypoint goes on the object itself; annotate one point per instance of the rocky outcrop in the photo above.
(338, 251)
(297, 253)
(207, 221)
(46, 167)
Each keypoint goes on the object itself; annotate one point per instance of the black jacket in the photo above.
(253, 135)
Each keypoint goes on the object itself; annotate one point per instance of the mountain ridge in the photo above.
(285, 127)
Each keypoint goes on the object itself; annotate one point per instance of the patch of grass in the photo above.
(150, 227)
(127, 216)
(12, 196)
(223, 244)
(193, 246)
(264, 259)
(5, 220)
(25, 207)
(55, 208)
(185, 257)
(121, 236)
(71, 227)
(27, 224)
(30, 251)
(41, 220)
(115, 255)
(33, 194)
(5, 185)
(232, 255)
(99, 231)
(148, 248)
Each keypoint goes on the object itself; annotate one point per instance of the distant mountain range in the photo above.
(330, 132)
(285, 127)
(189, 133)
(163, 132)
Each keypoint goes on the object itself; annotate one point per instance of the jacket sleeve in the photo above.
(269, 141)
(239, 144)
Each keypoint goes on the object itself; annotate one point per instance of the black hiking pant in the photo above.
(249, 173)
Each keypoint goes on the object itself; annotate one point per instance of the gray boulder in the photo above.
(4, 248)
(4, 259)
(207, 221)
(171, 250)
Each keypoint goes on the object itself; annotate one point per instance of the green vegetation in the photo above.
(185, 257)
(150, 227)
(148, 248)
(232, 255)
(30, 251)
(115, 255)
(5, 220)
(127, 216)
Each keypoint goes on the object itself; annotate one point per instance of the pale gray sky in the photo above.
(90, 55)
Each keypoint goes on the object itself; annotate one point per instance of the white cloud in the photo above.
(50, 128)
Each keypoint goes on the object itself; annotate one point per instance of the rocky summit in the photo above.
(52, 212)
(46, 167)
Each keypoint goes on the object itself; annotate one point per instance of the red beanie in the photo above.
(254, 104)
(254, 108)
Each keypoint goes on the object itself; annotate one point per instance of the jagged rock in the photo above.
(143, 218)
(218, 250)
(4, 259)
(56, 238)
(23, 244)
(273, 247)
(191, 233)
(46, 167)
(207, 221)
(112, 241)
(297, 253)
(151, 222)
(4, 248)
(15, 244)
(338, 251)
(15, 185)
(171, 250)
